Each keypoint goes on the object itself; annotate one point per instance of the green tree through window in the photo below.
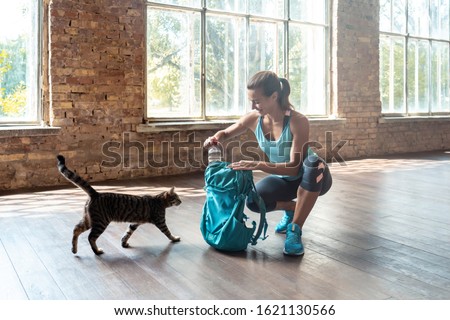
(19, 61)
(414, 56)
(200, 54)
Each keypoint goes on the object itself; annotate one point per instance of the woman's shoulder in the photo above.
(297, 117)
(299, 124)
(252, 114)
(250, 119)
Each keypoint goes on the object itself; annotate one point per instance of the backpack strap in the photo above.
(262, 227)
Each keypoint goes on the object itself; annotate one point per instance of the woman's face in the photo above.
(260, 102)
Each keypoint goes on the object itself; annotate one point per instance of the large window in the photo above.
(414, 56)
(19, 61)
(200, 54)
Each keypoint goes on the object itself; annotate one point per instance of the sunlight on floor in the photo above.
(386, 165)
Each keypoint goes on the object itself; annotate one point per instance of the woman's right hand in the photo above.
(210, 141)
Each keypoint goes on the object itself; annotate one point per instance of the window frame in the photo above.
(286, 20)
(407, 40)
(37, 89)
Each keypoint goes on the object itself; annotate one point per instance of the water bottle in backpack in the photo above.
(214, 153)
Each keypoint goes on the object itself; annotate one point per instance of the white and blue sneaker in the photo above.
(282, 225)
(293, 245)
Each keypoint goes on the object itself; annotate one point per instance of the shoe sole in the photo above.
(280, 231)
(293, 254)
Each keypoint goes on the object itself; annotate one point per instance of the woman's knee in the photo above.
(316, 175)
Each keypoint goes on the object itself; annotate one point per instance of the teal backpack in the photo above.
(223, 220)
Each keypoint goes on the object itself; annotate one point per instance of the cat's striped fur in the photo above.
(103, 208)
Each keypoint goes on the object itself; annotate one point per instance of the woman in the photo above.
(295, 171)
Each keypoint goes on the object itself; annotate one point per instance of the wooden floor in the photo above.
(382, 232)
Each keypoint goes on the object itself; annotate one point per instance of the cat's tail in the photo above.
(75, 178)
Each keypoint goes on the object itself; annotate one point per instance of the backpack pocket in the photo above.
(234, 236)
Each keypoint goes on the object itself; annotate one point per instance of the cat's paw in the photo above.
(175, 238)
(74, 250)
(99, 251)
(125, 245)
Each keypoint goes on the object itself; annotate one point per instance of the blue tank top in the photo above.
(277, 151)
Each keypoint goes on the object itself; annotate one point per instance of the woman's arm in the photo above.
(246, 122)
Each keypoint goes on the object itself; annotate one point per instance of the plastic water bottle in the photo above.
(214, 154)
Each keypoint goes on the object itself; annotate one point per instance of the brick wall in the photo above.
(94, 92)
(355, 61)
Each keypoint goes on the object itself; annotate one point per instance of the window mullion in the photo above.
(203, 61)
(287, 17)
(391, 75)
(247, 46)
(430, 89)
(406, 71)
(392, 15)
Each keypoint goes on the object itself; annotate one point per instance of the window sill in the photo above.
(391, 119)
(27, 131)
(156, 127)
(329, 121)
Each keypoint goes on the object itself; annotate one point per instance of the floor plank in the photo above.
(33, 273)
(11, 285)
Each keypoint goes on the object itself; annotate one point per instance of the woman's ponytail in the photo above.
(283, 95)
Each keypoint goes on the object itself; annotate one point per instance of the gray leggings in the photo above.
(316, 178)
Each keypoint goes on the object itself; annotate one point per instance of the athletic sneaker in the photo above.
(282, 225)
(293, 245)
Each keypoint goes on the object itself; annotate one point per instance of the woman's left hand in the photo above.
(244, 165)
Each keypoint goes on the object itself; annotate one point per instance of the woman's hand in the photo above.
(245, 165)
(210, 141)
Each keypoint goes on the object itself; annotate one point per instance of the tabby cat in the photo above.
(102, 208)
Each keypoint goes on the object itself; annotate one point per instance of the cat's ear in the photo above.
(172, 190)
